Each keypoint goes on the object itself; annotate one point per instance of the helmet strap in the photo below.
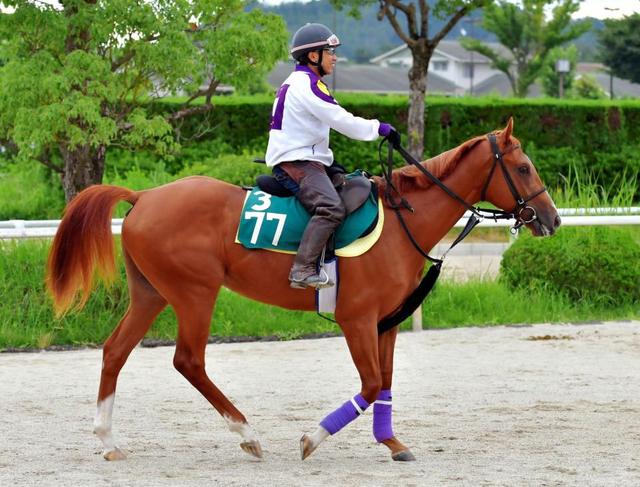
(320, 68)
(318, 64)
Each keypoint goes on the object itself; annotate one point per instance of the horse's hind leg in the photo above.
(144, 306)
(382, 422)
(194, 318)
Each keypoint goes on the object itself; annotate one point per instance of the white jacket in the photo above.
(303, 112)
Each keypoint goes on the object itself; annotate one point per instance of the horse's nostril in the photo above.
(557, 221)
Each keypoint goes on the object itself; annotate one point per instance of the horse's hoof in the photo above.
(252, 448)
(113, 455)
(403, 456)
(306, 447)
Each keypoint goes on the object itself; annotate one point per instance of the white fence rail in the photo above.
(570, 217)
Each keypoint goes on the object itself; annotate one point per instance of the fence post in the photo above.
(416, 319)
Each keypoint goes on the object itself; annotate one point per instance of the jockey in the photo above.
(298, 150)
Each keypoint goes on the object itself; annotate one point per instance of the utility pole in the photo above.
(335, 68)
(472, 66)
(611, 95)
(563, 66)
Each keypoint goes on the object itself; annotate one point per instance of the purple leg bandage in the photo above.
(382, 424)
(346, 413)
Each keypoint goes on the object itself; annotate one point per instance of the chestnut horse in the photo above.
(179, 249)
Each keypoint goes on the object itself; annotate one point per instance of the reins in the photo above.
(396, 201)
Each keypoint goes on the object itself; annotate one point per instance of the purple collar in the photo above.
(306, 69)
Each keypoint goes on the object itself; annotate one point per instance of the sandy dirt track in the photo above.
(496, 406)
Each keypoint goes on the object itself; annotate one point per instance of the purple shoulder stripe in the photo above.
(276, 118)
(314, 79)
(326, 96)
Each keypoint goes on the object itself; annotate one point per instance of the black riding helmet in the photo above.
(309, 38)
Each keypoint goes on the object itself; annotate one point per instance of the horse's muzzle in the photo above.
(543, 227)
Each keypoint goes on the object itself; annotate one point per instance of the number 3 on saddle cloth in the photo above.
(277, 223)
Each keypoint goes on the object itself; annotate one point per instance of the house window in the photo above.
(440, 65)
(467, 70)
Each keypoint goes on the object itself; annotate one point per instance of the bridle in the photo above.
(521, 208)
(522, 212)
(519, 213)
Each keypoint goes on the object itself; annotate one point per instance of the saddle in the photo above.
(353, 188)
(273, 219)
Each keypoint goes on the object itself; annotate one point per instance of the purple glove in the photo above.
(392, 135)
(384, 129)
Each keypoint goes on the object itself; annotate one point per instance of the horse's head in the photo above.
(513, 185)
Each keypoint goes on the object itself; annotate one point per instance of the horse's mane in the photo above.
(409, 178)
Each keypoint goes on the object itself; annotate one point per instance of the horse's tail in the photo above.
(84, 243)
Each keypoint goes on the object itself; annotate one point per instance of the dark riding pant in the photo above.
(318, 196)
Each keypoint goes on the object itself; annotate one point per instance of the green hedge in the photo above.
(596, 264)
(561, 137)
(587, 125)
(558, 135)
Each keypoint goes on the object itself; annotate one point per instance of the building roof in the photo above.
(451, 50)
(378, 79)
(499, 84)
(367, 78)
(621, 87)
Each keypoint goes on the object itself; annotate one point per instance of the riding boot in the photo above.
(304, 271)
(319, 197)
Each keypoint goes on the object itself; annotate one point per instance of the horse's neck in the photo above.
(436, 212)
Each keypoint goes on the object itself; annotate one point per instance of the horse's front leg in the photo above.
(362, 339)
(382, 419)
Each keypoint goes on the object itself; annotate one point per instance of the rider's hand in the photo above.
(392, 135)
(394, 138)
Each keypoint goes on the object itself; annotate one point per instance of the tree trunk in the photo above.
(417, 92)
(83, 166)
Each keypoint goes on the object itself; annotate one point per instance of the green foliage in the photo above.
(596, 264)
(411, 24)
(78, 77)
(29, 192)
(562, 137)
(581, 188)
(528, 35)
(482, 303)
(549, 75)
(620, 46)
(566, 133)
(586, 86)
(26, 319)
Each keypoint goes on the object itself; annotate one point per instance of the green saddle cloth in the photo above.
(272, 222)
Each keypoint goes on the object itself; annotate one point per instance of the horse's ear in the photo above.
(506, 133)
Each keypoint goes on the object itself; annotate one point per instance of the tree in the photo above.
(528, 36)
(550, 77)
(421, 43)
(78, 77)
(620, 47)
(586, 86)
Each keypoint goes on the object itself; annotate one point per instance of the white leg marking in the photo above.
(308, 443)
(102, 423)
(243, 429)
(318, 436)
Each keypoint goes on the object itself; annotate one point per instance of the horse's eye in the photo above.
(523, 170)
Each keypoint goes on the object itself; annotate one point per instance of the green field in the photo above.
(26, 317)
